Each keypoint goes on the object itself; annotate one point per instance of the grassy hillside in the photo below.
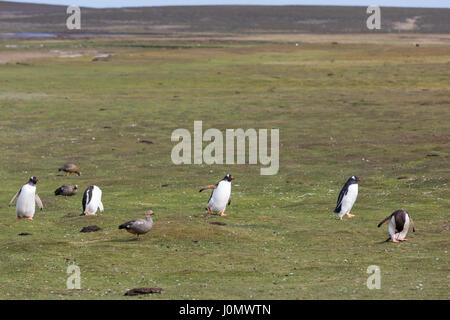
(379, 112)
(20, 17)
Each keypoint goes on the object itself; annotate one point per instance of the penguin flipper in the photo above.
(342, 194)
(208, 187)
(100, 205)
(38, 201)
(14, 198)
(229, 201)
(384, 220)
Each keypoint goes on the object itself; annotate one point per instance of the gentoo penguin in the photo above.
(67, 191)
(347, 197)
(398, 225)
(220, 196)
(70, 168)
(92, 201)
(27, 199)
(139, 226)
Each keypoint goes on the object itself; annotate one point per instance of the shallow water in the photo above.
(52, 35)
(26, 35)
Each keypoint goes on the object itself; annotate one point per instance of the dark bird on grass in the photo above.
(398, 225)
(220, 196)
(347, 197)
(69, 169)
(67, 191)
(139, 226)
(27, 199)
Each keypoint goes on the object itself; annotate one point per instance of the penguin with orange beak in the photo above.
(27, 198)
(347, 197)
(220, 196)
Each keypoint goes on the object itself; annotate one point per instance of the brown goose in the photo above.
(67, 191)
(69, 169)
(139, 226)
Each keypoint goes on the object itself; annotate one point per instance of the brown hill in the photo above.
(22, 17)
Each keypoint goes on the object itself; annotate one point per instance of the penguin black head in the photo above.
(354, 179)
(228, 177)
(33, 180)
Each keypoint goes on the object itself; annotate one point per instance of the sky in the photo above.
(135, 3)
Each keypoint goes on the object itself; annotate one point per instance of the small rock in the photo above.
(24, 234)
(102, 57)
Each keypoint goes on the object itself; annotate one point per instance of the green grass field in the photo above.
(377, 111)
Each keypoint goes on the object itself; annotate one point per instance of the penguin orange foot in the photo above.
(349, 215)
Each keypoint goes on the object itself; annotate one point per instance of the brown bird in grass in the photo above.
(139, 226)
(67, 191)
(69, 169)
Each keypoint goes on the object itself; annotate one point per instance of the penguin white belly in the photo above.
(26, 202)
(391, 228)
(349, 199)
(220, 197)
(404, 232)
(95, 202)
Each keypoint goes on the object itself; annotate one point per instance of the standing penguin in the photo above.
(92, 201)
(399, 225)
(347, 197)
(221, 195)
(27, 199)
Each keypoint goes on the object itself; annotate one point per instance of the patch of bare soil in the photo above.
(147, 290)
(408, 25)
(18, 56)
(91, 229)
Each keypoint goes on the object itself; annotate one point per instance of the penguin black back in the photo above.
(344, 190)
(87, 196)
